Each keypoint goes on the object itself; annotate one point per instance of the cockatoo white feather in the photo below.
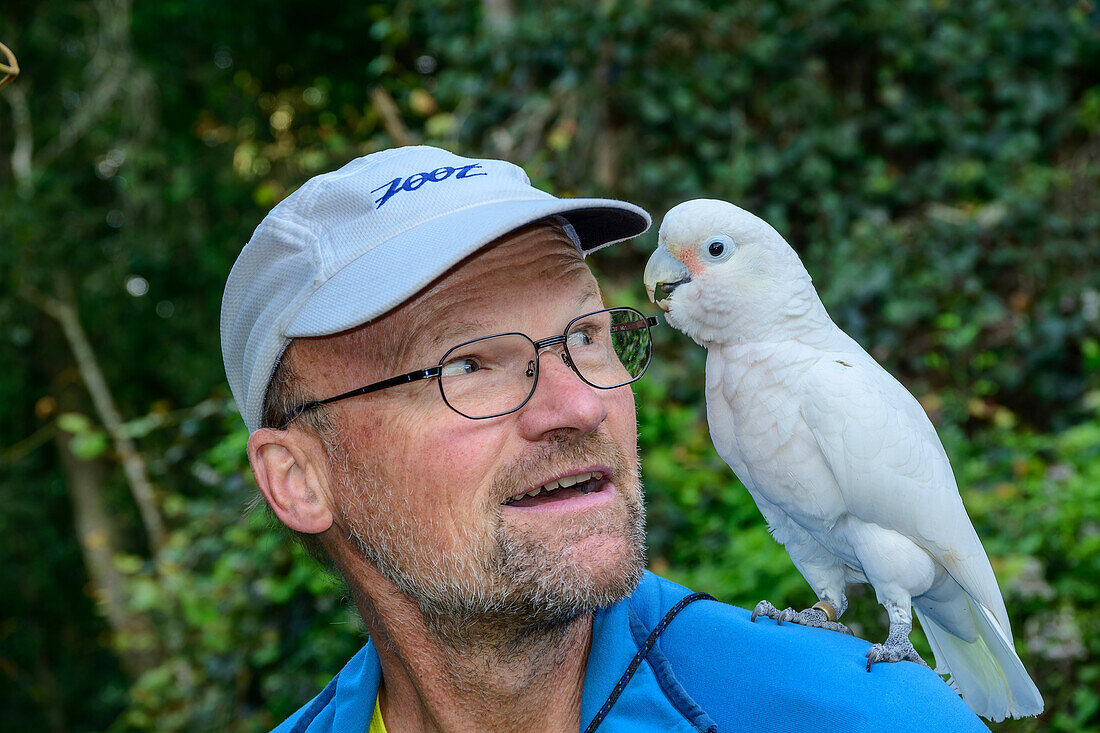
(841, 460)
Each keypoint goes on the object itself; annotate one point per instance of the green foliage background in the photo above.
(936, 164)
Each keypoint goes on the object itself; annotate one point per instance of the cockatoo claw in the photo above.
(764, 609)
(812, 617)
(893, 652)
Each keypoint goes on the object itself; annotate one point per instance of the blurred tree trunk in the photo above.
(607, 138)
(100, 541)
(390, 115)
(499, 15)
(63, 309)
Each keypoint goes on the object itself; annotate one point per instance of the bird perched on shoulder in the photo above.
(841, 460)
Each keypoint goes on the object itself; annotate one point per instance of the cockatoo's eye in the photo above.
(719, 248)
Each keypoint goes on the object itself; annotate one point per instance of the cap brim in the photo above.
(397, 269)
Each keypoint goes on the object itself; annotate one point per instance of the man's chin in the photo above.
(581, 571)
(579, 589)
(534, 592)
(601, 560)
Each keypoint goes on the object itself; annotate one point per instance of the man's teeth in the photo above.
(561, 483)
(566, 481)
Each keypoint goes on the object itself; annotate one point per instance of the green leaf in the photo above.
(74, 422)
(90, 445)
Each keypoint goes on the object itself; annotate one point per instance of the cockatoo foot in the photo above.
(893, 651)
(812, 617)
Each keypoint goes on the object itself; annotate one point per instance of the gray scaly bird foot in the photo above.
(893, 651)
(813, 617)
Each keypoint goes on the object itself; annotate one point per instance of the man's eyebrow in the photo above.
(455, 334)
(591, 291)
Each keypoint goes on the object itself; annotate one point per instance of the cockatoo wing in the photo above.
(891, 467)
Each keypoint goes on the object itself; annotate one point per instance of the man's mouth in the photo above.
(561, 489)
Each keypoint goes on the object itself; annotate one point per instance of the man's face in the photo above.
(421, 489)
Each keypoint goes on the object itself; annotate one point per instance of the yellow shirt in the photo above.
(376, 724)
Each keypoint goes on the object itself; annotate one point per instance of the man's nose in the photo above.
(562, 400)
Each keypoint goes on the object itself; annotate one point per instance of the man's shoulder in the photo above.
(788, 675)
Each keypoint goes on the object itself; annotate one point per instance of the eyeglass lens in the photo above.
(495, 375)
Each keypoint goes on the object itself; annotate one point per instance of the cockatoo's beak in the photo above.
(663, 273)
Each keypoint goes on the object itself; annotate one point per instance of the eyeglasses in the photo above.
(496, 375)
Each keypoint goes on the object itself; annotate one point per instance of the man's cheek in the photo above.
(465, 451)
(623, 422)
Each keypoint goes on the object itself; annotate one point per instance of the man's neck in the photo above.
(495, 679)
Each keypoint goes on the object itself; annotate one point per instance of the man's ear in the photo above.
(290, 469)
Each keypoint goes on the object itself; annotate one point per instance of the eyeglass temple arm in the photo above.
(419, 374)
(615, 328)
(634, 325)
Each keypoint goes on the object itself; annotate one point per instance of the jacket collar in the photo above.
(642, 705)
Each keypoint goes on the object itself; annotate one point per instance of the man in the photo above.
(437, 398)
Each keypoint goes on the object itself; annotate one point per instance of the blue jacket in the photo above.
(711, 669)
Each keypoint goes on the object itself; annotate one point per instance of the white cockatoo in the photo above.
(841, 460)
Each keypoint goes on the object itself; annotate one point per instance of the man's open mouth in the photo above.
(560, 489)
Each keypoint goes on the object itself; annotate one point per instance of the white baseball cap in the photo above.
(350, 245)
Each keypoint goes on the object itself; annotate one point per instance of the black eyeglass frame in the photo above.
(437, 371)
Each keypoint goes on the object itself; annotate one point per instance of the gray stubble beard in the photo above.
(509, 588)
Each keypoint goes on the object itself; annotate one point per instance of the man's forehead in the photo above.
(530, 265)
(465, 325)
(534, 263)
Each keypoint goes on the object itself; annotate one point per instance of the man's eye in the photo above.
(581, 338)
(460, 366)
